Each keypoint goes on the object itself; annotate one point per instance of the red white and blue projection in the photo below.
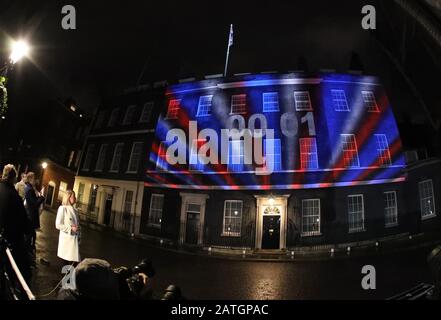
(314, 132)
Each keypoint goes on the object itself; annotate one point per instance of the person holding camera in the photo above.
(67, 222)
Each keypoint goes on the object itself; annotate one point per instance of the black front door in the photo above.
(192, 229)
(49, 195)
(271, 232)
(108, 209)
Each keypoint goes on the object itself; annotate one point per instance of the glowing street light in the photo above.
(44, 165)
(19, 50)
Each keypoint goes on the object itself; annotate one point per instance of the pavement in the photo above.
(213, 277)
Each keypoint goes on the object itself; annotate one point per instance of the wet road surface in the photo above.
(202, 277)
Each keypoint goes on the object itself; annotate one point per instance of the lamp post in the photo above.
(43, 166)
(19, 50)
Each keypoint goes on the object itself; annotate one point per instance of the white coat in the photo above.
(68, 241)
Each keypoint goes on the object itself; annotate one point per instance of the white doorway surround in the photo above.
(271, 206)
(197, 200)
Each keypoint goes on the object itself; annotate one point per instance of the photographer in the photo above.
(96, 280)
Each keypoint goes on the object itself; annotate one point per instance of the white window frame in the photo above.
(129, 112)
(340, 100)
(88, 159)
(173, 108)
(227, 233)
(113, 120)
(100, 119)
(147, 109)
(80, 193)
(194, 155)
(159, 160)
(150, 223)
(113, 163)
(301, 103)
(204, 106)
(277, 153)
(131, 157)
(383, 150)
(429, 197)
(370, 102)
(100, 161)
(351, 228)
(238, 101)
(303, 154)
(267, 101)
(317, 218)
(391, 205)
(126, 202)
(344, 143)
(234, 167)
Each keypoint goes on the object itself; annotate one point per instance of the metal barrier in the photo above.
(6, 282)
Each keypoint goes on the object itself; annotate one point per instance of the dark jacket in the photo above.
(14, 224)
(32, 205)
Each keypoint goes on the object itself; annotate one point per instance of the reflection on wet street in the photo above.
(202, 277)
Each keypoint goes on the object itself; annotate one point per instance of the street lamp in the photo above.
(44, 165)
(19, 49)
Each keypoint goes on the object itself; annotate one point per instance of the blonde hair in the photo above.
(9, 172)
(66, 198)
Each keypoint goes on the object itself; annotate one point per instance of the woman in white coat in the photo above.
(68, 223)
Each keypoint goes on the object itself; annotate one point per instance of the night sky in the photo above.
(172, 40)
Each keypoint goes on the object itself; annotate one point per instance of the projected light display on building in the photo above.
(313, 132)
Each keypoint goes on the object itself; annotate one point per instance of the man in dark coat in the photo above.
(14, 223)
(33, 204)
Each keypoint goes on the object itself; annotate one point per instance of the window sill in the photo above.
(391, 225)
(357, 231)
(429, 217)
(230, 235)
(155, 226)
(131, 172)
(311, 235)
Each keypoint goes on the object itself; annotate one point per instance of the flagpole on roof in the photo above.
(230, 43)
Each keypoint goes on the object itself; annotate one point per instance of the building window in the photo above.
(92, 198)
(128, 202)
(383, 151)
(236, 158)
(195, 162)
(369, 101)
(308, 154)
(146, 113)
(239, 104)
(88, 159)
(273, 157)
(100, 119)
(128, 118)
(427, 199)
(78, 158)
(117, 154)
(173, 109)
(161, 160)
(311, 217)
(391, 209)
(80, 195)
(155, 212)
(101, 158)
(303, 101)
(356, 213)
(271, 102)
(113, 117)
(204, 106)
(350, 151)
(339, 100)
(71, 158)
(62, 190)
(232, 218)
(135, 157)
